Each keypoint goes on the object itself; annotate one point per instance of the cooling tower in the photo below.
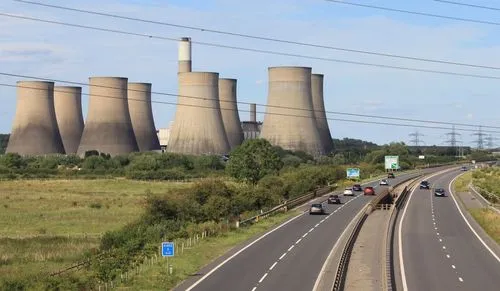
(229, 111)
(141, 115)
(185, 55)
(198, 127)
(108, 128)
(68, 107)
(291, 129)
(319, 112)
(253, 112)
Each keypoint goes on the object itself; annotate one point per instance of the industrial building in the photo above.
(252, 127)
(229, 111)
(68, 108)
(319, 112)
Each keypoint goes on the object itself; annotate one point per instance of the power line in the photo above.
(263, 105)
(416, 138)
(416, 13)
(469, 5)
(218, 107)
(403, 68)
(272, 39)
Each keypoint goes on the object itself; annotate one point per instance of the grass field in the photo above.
(46, 225)
(489, 221)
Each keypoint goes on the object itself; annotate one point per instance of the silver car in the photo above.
(317, 209)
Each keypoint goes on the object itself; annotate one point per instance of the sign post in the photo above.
(392, 163)
(168, 250)
(352, 173)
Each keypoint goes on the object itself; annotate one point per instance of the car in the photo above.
(334, 199)
(357, 187)
(439, 192)
(464, 169)
(391, 175)
(425, 185)
(369, 190)
(384, 182)
(348, 192)
(317, 208)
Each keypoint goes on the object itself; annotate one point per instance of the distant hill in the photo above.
(4, 139)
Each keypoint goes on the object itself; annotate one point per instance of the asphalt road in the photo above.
(439, 250)
(290, 258)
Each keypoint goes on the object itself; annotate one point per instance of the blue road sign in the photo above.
(167, 249)
(352, 172)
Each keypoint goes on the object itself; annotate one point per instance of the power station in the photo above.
(108, 128)
(141, 116)
(185, 63)
(229, 111)
(198, 127)
(285, 126)
(35, 130)
(68, 108)
(319, 112)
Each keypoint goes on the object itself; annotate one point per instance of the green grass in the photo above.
(488, 179)
(489, 221)
(462, 182)
(47, 225)
(155, 277)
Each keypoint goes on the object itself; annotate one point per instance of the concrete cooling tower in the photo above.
(291, 129)
(229, 111)
(319, 112)
(141, 115)
(68, 107)
(185, 64)
(35, 130)
(198, 127)
(108, 128)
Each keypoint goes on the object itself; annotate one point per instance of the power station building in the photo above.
(319, 112)
(229, 111)
(68, 108)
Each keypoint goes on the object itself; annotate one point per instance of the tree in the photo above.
(253, 160)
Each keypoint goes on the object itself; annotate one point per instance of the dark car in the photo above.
(464, 169)
(334, 199)
(439, 192)
(357, 187)
(391, 175)
(369, 190)
(425, 185)
(317, 208)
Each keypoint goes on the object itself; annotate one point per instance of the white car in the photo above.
(348, 192)
(384, 182)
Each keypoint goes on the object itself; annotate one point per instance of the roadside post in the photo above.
(168, 250)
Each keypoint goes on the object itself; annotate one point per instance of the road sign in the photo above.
(421, 157)
(352, 172)
(167, 249)
(391, 162)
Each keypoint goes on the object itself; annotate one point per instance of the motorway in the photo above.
(290, 257)
(438, 249)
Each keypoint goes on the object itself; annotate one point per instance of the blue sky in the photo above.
(73, 54)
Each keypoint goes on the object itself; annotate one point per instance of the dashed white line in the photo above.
(437, 233)
(460, 279)
(282, 256)
(254, 288)
(453, 266)
(274, 265)
(316, 225)
(263, 277)
(444, 248)
(440, 240)
(305, 234)
(448, 256)
(298, 241)
(290, 248)
(311, 229)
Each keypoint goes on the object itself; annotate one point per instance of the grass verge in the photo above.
(155, 277)
(489, 221)
(462, 183)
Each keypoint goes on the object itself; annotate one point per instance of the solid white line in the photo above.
(400, 236)
(263, 277)
(298, 241)
(467, 222)
(240, 251)
(274, 265)
(460, 279)
(290, 248)
(282, 256)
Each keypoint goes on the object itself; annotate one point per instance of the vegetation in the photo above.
(488, 181)
(489, 221)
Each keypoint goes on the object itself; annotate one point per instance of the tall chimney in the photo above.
(185, 55)
(253, 112)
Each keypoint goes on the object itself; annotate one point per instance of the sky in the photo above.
(74, 54)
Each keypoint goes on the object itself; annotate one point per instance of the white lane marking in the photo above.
(316, 225)
(254, 288)
(440, 240)
(274, 265)
(460, 279)
(444, 248)
(453, 266)
(437, 233)
(290, 248)
(305, 234)
(311, 229)
(298, 241)
(282, 256)
(448, 256)
(263, 277)
(242, 250)
(466, 221)
(400, 237)
(435, 228)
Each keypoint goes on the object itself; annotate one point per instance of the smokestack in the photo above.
(141, 115)
(185, 55)
(108, 128)
(291, 129)
(35, 130)
(229, 111)
(253, 112)
(68, 108)
(198, 127)
(319, 112)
